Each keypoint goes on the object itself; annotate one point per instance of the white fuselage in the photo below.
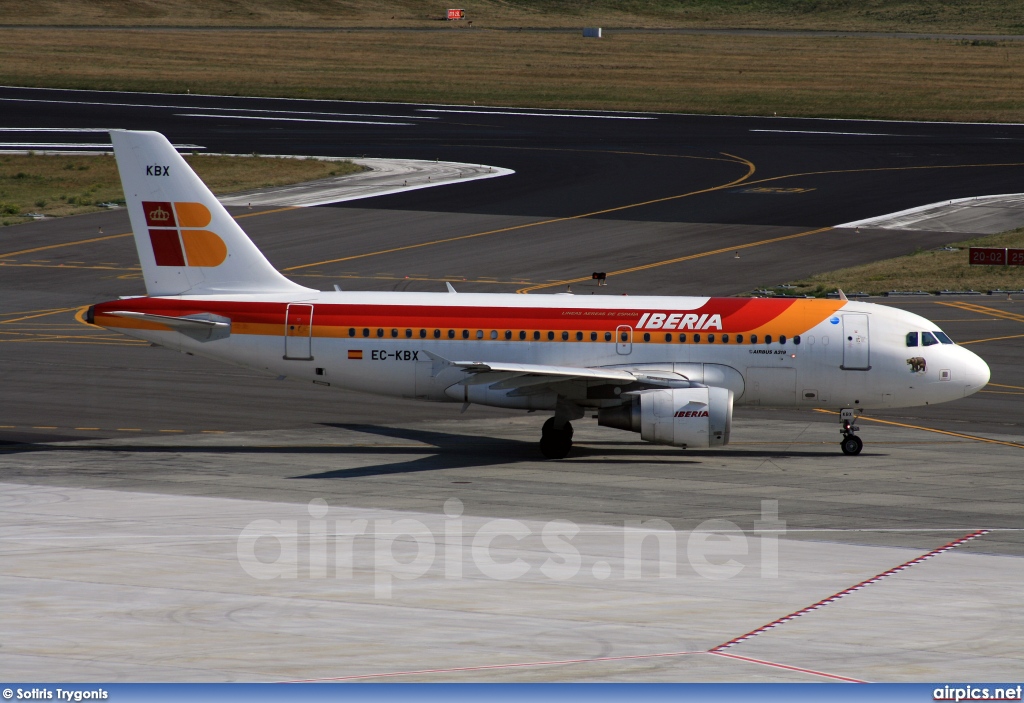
(822, 353)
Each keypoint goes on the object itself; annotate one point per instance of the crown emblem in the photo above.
(159, 215)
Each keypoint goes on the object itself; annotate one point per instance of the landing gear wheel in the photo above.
(851, 445)
(549, 428)
(555, 444)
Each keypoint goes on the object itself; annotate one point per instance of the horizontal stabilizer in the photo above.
(178, 323)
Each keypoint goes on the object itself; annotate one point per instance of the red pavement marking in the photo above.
(851, 589)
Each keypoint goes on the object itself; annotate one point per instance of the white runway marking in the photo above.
(54, 145)
(847, 134)
(291, 119)
(305, 112)
(189, 107)
(536, 114)
(53, 129)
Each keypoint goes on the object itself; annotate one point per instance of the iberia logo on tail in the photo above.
(178, 238)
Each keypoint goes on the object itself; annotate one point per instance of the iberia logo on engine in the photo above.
(177, 236)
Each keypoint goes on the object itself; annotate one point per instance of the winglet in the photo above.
(451, 288)
(842, 295)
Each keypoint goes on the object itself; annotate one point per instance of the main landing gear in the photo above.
(556, 435)
(555, 443)
(851, 444)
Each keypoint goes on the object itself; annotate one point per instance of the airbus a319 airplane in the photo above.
(670, 368)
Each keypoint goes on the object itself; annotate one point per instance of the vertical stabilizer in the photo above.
(188, 244)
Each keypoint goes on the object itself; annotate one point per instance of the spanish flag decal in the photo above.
(355, 353)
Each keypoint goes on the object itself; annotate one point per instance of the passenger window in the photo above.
(696, 339)
(508, 334)
(437, 334)
(927, 339)
(943, 338)
(796, 339)
(753, 339)
(351, 331)
(451, 334)
(593, 336)
(725, 339)
(607, 336)
(739, 339)
(682, 337)
(647, 336)
(408, 334)
(911, 339)
(423, 334)
(624, 336)
(380, 332)
(465, 334)
(711, 339)
(536, 335)
(579, 336)
(782, 339)
(668, 337)
(366, 332)
(565, 336)
(551, 336)
(767, 339)
(522, 334)
(394, 332)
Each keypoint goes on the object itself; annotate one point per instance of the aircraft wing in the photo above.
(508, 376)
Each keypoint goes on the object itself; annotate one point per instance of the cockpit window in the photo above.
(911, 339)
(927, 339)
(943, 337)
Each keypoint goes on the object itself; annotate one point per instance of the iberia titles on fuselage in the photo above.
(670, 368)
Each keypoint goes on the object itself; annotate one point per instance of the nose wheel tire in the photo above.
(555, 443)
(851, 445)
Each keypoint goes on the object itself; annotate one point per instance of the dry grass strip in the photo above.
(831, 77)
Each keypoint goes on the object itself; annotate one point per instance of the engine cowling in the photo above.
(682, 417)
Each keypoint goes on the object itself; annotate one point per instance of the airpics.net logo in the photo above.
(384, 550)
(177, 236)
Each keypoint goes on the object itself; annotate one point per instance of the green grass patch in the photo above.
(56, 186)
(931, 271)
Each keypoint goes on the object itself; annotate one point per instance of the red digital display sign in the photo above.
(456, 14)
(988, 256)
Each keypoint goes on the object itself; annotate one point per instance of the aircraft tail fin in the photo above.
(188, 243)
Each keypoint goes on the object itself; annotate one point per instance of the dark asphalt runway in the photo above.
(663, 204)
(718, 183)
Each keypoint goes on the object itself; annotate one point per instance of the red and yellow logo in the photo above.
(177, 238)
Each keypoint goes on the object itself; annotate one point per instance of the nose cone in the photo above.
(976, 373)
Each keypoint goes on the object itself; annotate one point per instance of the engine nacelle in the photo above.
(683, 417)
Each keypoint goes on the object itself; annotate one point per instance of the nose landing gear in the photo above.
(851, 444)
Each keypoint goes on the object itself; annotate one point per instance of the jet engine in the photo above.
(683, 417)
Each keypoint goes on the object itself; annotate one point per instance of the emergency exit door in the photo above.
(298, 332)
(624, 339)
(856, 343)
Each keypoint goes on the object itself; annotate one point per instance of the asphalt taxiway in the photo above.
(131, 474)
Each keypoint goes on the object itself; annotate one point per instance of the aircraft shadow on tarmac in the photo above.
(442, 451)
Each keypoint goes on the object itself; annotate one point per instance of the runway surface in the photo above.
(96, 426)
